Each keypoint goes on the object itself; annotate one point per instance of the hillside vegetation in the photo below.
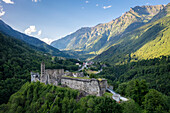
(149, 41)
(34, 43)
(41, 98)
(155, 71)
(17, 60)
(135, 49)
(141, 33)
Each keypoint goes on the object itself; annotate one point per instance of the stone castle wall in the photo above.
(52, 76)
(35, 77)
(56, 77)
(90, 86)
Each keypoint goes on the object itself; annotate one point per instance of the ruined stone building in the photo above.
(59, 77)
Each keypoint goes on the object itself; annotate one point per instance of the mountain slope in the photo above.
(164, 12)
(18, 59)
(102, 36)
(33, 42)
(67, 41)
(154, 71)
(149, 41)
(40, 98)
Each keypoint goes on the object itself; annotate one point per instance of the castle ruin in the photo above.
(59, 77)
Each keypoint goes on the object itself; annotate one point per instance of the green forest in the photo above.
(147, 42)
(17, 60)
(40, 98)
(155, 71)
(136, 63)
(145, 83)
(140, 81)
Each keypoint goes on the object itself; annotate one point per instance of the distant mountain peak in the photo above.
(147, 10)
(149, 41)
(99, 38)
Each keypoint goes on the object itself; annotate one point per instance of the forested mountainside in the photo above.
(156, 73)
(38, 97)
(33, 42)
(97, 39)
(17, 60)
(41, 98)
(134, 59)
(137, 81)
(149, 41)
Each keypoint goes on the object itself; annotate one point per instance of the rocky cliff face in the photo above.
(70, 40)
(99, 38)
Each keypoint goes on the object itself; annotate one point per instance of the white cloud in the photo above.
(97, 5)
(47, 40)
(8, 1)
(70, 33)
(30, 30)
(35, 0)
(87, 2)
(39, 32)
(106, 7)
(147, 3)
(2, 12)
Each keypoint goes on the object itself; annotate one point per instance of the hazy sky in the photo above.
(52, 19)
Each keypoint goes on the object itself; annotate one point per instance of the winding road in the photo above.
(116, 96)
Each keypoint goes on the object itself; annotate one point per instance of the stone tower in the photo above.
(35, 77)
(42, 69)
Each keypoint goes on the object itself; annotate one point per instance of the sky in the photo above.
(50, 20)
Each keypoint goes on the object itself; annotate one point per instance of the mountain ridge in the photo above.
(148, 41)
(102, 36)
(62, 45)
(35, 43)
